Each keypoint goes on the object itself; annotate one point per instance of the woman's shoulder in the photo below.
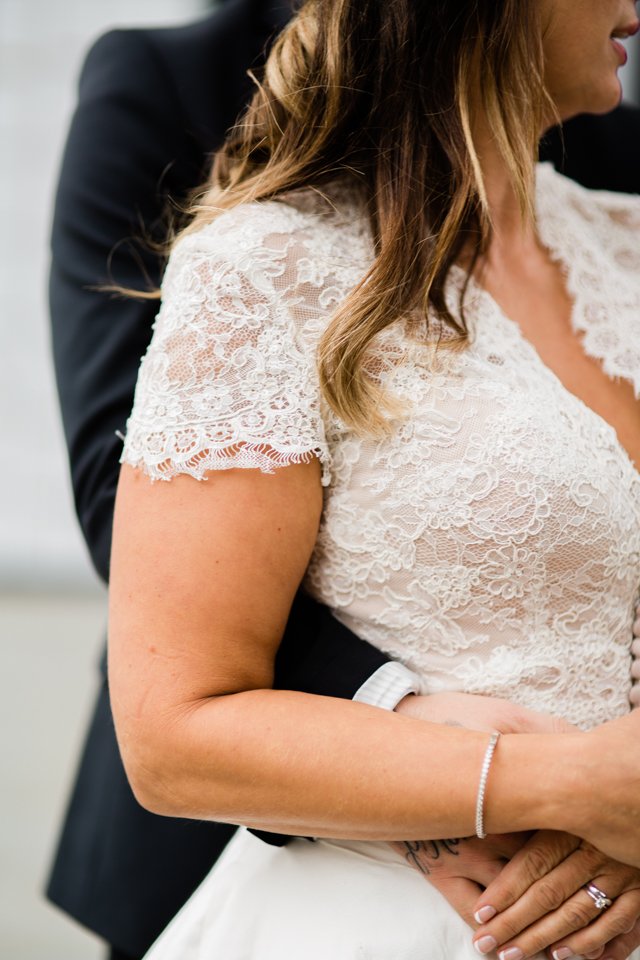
(230, 377)
(280, 227)
(295, 255)
(597, 232)
(601, 208)
(595, 235)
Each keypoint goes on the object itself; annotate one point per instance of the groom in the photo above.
(153, 105)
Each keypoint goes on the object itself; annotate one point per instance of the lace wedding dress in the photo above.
(491, 541)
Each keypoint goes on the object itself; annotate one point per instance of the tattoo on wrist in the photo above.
(424, 854)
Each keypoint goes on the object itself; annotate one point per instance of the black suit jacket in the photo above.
(152, 105)
(602, 153)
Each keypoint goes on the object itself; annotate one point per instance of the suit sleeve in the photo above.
(126, 152)
(112, 189)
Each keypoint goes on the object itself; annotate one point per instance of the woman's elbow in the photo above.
(148, 769)
(153, 787)
(166, 769)
(154, 759)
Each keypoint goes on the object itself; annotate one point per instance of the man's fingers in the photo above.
(461, 894)
(496, 848)
(469, 858)
(535, 860)
(504, 845)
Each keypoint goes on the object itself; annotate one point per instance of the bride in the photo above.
(405, 359)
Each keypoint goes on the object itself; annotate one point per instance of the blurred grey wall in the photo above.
(631, 73)
(42, 43)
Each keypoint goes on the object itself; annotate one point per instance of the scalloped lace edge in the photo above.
(239, 455)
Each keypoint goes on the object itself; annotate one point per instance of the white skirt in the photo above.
(328, 900)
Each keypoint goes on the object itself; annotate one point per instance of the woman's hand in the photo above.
(461, 869)
(538, 901)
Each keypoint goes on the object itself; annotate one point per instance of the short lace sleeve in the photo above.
(229, 379)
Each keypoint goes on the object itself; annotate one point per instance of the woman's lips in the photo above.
(620, 50)
(623, 33)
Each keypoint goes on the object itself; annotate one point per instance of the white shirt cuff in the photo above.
(388, 686)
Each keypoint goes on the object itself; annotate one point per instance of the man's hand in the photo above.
(461, 869)
(480, 713)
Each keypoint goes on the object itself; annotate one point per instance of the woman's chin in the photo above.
(602, 101)
(610, 101)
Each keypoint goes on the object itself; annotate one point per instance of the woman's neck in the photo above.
(513, 235)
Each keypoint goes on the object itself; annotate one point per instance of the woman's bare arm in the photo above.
(202, 578)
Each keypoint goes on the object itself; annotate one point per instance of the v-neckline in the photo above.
(552, 375)
(560, 257)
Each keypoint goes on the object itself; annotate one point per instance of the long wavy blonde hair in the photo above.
(385, 90)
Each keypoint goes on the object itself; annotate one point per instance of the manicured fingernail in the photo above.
(563, 953)
(513, 953)
(485, 944)
(485, 914)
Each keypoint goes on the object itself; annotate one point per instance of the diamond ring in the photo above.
(599, 897)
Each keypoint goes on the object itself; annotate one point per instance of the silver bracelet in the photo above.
(482, 786)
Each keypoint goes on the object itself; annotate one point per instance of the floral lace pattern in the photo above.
(492, 540)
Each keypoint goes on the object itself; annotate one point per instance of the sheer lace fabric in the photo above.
(492, 540)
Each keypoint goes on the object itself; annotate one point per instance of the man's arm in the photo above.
(122, 138)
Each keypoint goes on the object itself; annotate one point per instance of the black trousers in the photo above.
(118, 955)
